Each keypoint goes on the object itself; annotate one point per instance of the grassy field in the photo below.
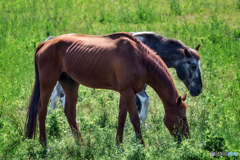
(214, 116)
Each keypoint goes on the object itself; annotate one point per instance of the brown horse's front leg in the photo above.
(121, 121)
(129, 100)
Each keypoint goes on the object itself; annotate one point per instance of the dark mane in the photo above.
(177, 43)
(195, 54)
(173, 43)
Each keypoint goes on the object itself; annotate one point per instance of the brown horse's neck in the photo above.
(161, 81)
(158, 75)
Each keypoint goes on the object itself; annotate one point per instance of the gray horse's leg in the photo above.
(142, 95)
(62, 95)
(54, 99)
(138, 103)
(57, 94)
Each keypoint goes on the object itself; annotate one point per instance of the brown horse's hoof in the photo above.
(121, 148)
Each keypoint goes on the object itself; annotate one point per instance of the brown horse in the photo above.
(119, 62)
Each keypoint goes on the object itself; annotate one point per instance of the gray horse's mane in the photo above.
(163, 39)
(168, 41)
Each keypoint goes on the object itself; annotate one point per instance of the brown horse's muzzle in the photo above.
(178, 136)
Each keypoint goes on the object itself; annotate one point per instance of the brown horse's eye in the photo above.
(184, 119)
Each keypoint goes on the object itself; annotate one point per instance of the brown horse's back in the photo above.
(94, 61)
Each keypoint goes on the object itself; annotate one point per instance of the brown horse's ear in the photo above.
(187, 54)
(184, 97)
(197, 47)
(179, 100)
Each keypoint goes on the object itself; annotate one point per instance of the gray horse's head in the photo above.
(175, 54)
(188, 71)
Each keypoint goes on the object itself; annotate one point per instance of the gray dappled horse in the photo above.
(174, 53)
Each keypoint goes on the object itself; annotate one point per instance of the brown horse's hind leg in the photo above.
(46, 89)
(129, 100)
(71, 93)
(121, 120)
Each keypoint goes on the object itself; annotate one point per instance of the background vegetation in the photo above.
(214, 116)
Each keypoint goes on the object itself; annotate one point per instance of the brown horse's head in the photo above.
(175, 119)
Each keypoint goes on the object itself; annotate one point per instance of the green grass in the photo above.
(214, 116)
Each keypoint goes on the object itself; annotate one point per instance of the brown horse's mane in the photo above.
(148, 56)
(154, 64)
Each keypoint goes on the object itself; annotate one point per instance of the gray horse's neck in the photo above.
(167, 49)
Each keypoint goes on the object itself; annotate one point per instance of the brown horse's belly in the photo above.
(94, 78)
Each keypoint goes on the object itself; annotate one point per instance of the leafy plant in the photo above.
(215, 143)
(54, 128)
(136, 153)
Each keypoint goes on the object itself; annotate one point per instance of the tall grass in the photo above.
(213, 116)
(175, 7)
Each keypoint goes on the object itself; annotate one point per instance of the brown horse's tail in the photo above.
(32, 109)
